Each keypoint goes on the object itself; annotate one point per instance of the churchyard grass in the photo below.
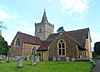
(42, 66)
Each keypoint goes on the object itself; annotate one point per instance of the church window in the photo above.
(61, 47)
(17, 42)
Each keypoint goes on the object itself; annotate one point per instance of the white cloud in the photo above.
(75, 6)
(5, 15)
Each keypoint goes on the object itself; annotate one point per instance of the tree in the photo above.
(2, 26)
(3, 46)
(60, 29)
(97, 48)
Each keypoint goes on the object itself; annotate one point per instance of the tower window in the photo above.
(61, 47)
(17, 43)
(40, 30)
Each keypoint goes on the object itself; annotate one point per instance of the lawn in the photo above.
(75, 66)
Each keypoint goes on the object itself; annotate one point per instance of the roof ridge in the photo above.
(78, 29)
(29, 38)
(26, 34)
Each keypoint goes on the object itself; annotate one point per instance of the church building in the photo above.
(51, 46)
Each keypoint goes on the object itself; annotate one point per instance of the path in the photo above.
(97, 66)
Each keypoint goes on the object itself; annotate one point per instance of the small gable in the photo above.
(77, 36)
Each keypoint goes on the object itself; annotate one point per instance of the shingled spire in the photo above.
(44, 18)
(44, 28)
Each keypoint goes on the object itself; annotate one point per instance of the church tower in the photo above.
(44, 28)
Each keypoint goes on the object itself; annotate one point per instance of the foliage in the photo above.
(60, 29)
(3, 46)
(2, 26)
(63, 66)
(97, 48)
(37, 54)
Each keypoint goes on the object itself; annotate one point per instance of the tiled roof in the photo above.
(78, 36)
(45, 45)
(48, 41)
(29, 38)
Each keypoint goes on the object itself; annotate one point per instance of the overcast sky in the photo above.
(20, 15)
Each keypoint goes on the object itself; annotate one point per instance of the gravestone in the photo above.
(54, 58)
(72, 59)
(37, 58)
(16, 57)
(7, 59)
(67, 58)
(80, 56)
(28, 57)
(20, 62)
(59, 58)
(0, 58)
(33, 59)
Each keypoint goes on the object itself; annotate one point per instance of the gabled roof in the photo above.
(28, 38)
(45, 45)
(78, 36)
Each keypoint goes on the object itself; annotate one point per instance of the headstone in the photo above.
(34, 56)
(67, 58)
(59, 59)
(16, 57)
(37, 58)
(20, 62)
(0, 58)
(72, 59)
(28, 57)
(80, 56)
(33, 59)
(54, 58)
(7, 59)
